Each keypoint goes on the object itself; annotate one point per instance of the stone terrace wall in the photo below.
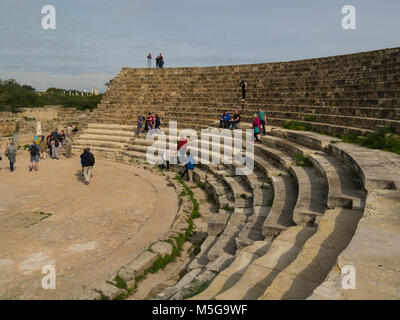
(51, 117)
(360, 91)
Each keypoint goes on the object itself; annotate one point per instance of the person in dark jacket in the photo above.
(235, 120)
(87, 161)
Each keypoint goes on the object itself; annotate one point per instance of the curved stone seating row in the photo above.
(323, 234)
(251, 284)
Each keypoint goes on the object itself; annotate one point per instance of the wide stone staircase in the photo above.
(351, 94)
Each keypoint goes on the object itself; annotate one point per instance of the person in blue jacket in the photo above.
(224, 121)
(189, 166)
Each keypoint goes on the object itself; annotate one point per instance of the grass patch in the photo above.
(120, 283)
(195, 288)
(161, 262)
(302, 160)
(296, 125)
(383, 139)
(311, 118)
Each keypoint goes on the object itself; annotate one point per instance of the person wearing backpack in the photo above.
(11, 153)
(55, 149)
(87, 161)
(34, 150)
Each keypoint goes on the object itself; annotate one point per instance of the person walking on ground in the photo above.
(68, 147)
(235, 121)
(87, 161)
(149, 57)
(224, 121)
(158, 62)
(11, 154)
(43, 148)
(189, 167)
(55, 149)
(34, 150)
(256, 127)
(243, 85)
(263, 119)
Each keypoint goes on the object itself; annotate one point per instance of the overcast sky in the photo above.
(94, 39)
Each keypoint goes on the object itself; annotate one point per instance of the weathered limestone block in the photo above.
(138, 266)
(162, 248)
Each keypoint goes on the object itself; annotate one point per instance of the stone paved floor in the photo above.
(91, 232)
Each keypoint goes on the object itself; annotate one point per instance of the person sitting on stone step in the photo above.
(235, 121)
(224, 121)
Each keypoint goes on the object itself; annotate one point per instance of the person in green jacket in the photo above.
(263, 118)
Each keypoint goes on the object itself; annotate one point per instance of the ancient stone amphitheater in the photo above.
(293, 229)
(284, 231)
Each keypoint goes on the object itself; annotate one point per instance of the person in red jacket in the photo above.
(182, 146)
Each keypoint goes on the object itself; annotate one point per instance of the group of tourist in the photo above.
(54, 142)
(150, 124)
(159, 61)
(259, 122)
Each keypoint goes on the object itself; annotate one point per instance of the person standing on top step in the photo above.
(149, 57)
(87, 161)
(243, 85)
(263, 118)
(161, 61)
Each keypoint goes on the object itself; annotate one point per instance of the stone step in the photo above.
(317, 257)
(110, 126)
(108, 138)
(344, 189)
(233, 273)
(261, 272)
(312, 195)
(97, 143)
(280, 216)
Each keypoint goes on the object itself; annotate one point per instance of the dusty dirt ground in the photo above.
(50, 217)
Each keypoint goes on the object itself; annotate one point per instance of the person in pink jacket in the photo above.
(256, 127)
